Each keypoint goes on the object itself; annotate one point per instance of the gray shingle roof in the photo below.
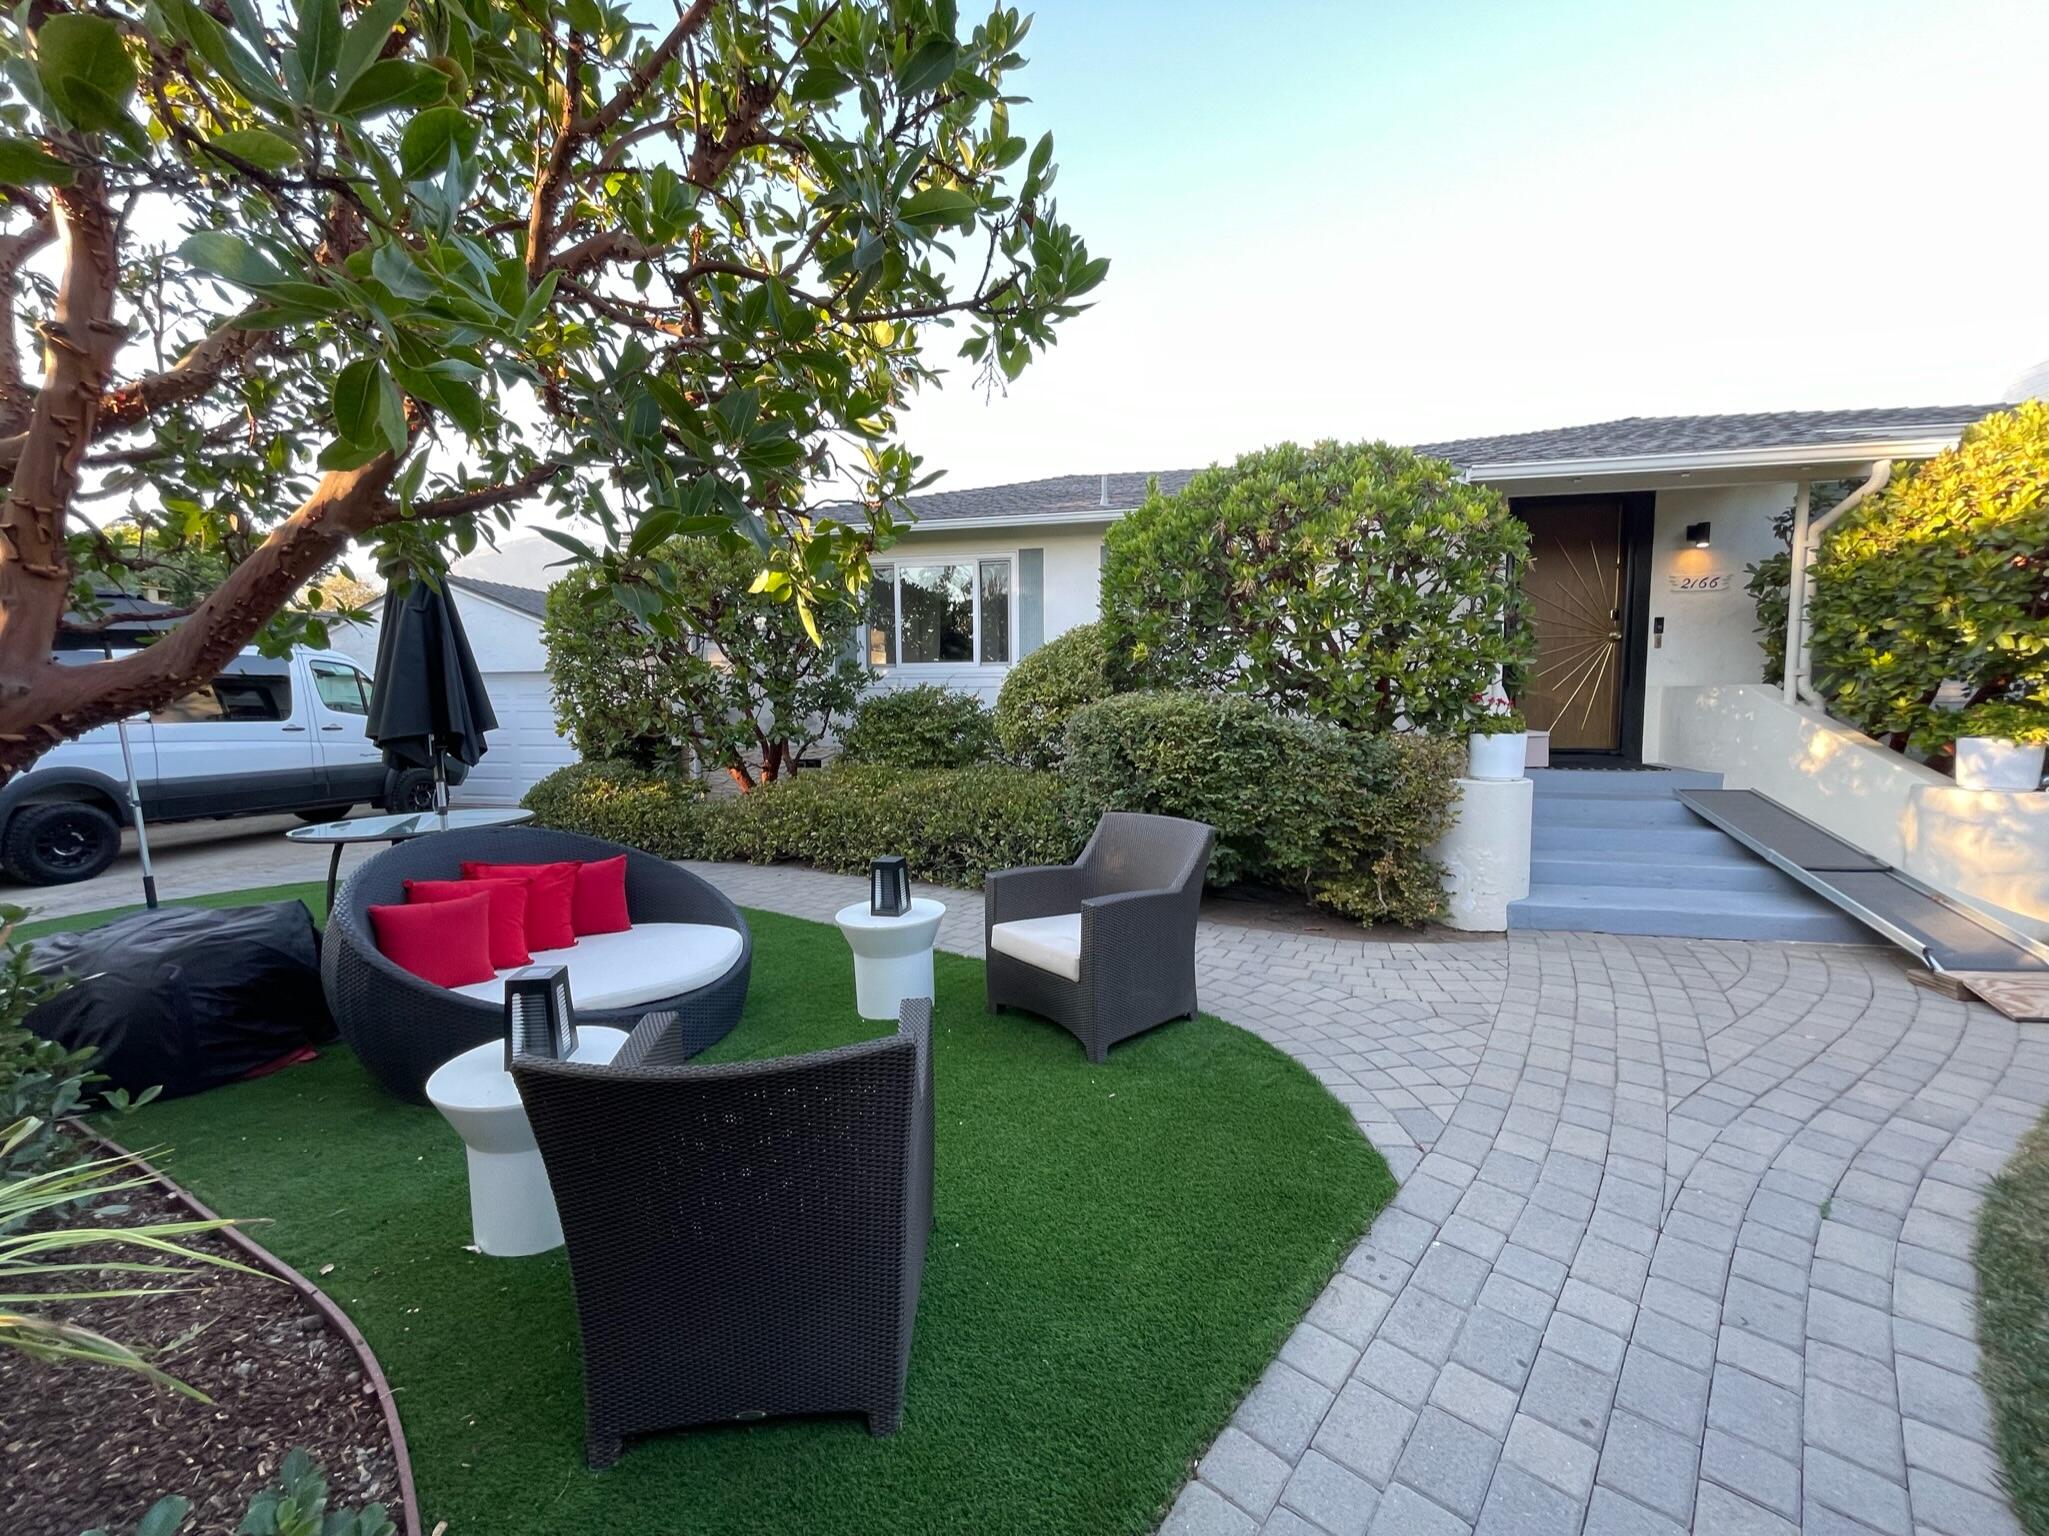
(1081, 497)
(526, 599)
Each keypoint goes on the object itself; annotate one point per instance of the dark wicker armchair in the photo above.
(1105, 946)
(746, 1240)
(403, 1027)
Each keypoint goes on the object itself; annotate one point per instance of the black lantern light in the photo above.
(539, 1020)
(889, 886)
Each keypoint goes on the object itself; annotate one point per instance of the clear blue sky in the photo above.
(1414, 220)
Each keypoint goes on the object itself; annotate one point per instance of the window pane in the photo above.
(255, 695)
(340, 689)
(995, 611)
(882, 617)
(199, 705)
(938, 612)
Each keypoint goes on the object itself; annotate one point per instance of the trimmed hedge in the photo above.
(953, 825)
(1044, 689)
(923, 727)
(1340, 817)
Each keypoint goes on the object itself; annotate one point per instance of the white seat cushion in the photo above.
(647, 963)
(1050, 943)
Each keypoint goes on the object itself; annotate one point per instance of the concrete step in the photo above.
(1620, 811)
(1734, 870)
(1610, 783)
(1668, 839)
(1685, 914)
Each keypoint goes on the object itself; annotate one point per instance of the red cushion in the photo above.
(601, 896)
(508, 912)
(550, 901)
(445, 942)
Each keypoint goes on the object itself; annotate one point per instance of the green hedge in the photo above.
(1044, 689)
(1342, 818)
(954, 825)
(923, 727)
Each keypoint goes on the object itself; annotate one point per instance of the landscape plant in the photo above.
(653, 659)
(1943, 576)
(294, 1505)
(304, 279)
(923, 727)
(1497, 722)
(1359, 584)
(1044, 689)
(2025, 725)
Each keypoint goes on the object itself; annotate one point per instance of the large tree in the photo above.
(383, 275)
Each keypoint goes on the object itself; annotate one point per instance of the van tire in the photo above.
(59, 842)
(411, 791)
(314, 815)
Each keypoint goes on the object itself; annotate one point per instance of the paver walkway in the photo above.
(1682, 1241)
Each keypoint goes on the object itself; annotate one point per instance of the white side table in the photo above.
(892, 955)
(512, 1209)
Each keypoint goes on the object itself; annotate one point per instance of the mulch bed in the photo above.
(85, 1445)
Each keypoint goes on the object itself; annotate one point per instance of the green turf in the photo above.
(1120, 1251)
(2012, 1253)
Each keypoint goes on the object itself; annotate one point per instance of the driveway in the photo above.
(1682, 1241)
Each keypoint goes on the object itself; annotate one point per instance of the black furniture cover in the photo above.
(187, 998)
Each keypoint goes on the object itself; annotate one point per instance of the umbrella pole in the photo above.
(149, 876)
(440, 786)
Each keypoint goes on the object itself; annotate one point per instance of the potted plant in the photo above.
(1496, 742)
(1999, 745)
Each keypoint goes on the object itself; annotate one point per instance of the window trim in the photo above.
(896, 564)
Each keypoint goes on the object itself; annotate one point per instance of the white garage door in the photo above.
(523, 749)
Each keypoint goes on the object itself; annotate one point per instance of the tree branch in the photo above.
(16, 398)
(462, 503)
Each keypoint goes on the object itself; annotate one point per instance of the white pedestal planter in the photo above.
(1486, 854)
(1987, 762)
(1496, 757)
(892, 955)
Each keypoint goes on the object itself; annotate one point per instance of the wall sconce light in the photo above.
(1697, 535)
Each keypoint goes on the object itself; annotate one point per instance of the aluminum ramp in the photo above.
(1942, 933)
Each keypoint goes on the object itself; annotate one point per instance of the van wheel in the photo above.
(412, 791)
(60, 843)
(315, 815)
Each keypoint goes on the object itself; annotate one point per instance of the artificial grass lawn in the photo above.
(1120, 1250)
(2012, 1253)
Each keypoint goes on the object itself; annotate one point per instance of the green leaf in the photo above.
(85, 70)
(342, 454)
(392, 83)
(391, 412)
(424, 148)
(263, 149)
(165, 1517)
(319, 38)
(928, 68)
(25, 163)
(356, 397)
(365, 41)
(936, 206)
(393, 265)
(225, 256)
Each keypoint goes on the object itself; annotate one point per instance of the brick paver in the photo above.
(1682, 1241)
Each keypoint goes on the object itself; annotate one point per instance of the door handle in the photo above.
(295, 727)
(330, 727)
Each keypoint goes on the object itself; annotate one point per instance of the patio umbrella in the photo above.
(428, 703)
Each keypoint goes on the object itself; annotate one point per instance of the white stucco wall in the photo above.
(1710, 621)
(1987, 849)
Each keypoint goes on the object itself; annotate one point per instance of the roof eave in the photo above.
(1924, 444)
(1010, 520)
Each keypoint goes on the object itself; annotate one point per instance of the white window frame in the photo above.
(897, 562)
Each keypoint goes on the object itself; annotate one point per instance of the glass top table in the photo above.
(396, 829)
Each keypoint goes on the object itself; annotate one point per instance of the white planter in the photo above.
(1496, 757)
(1990, 762)
(1538, 753)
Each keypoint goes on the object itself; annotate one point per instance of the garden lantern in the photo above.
(539, 1020)
(889, 886)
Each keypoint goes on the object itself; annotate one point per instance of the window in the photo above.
(954, 613)
(231, 696)
(342, 689)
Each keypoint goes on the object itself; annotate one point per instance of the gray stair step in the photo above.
(1621, 811)
(1685, 914)
(1672, 840)
(1734, 870)
(1604, 783)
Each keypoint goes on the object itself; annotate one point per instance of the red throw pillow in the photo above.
(508, 912)
(601, 896)
(445, 942)
(550, 899)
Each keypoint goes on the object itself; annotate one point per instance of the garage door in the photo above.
(523, 749)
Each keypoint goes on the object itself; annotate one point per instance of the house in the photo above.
(1641, 532)
(503, 623)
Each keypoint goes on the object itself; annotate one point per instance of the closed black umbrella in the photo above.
(429, 702)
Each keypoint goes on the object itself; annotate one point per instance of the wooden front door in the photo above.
(1572, 599)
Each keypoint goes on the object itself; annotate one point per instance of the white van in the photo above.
(267, 735)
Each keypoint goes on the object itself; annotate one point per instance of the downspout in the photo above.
(1806, 541)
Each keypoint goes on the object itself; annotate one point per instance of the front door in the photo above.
(1572, 599)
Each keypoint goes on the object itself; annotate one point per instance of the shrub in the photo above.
(41, 1081)
(1771, 579)
(2025, 725)
(923, 727)
(1044, 689)
(295, 1504)
(1358, 584)
(677, 651)
(1942, 575)
(953, 825)
(1340, 817)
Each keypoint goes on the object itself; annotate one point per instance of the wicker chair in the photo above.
(1105, 946)
(403, 1028)
(746, 1240)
